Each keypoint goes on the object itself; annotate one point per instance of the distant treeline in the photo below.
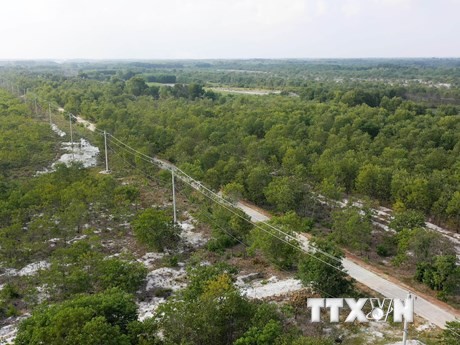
(161, 78)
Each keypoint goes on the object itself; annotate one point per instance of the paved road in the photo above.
(255, 215)
(422, 307)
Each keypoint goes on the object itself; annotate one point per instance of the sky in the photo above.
(210, 29)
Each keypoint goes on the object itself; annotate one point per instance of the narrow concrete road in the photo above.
(255, 215)
(422, 307)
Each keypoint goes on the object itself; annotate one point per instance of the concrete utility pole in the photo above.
(36, 109)
(406, 331)
(174, 197)
(106, 154)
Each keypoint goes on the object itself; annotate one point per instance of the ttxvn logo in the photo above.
(380, 309)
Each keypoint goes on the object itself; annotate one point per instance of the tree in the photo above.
(453, 209)
(233, 191)
(283, 193)
(414, 192)
(324, 272)
(155, 229)
(195, 91)
(374, 181)
(424, 245)
(82, 268)
(101, 319)
(352, 228)
(266, 335)
(446, 275)
(330, 188)
(451, 334)
(441, 275)
(279, 247)
(199, 276)
(228, 228)
(409, 219)
(136, 86)
(257, 179)
(213, 313)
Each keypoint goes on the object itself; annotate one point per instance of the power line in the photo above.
(204, 214)
(198, 186)
(225, 204)
(247, 246)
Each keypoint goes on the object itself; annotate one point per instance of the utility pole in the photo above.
(106, 155)
(49, 111)
(406, 331)
(174, 196)
(35, 102)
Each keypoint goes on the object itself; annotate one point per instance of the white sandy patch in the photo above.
(256, 92)
(86, 123)
(148, 258)
(58, 131)
(77, 238)
(382, 226)
(425, 327)
(162, 278)
(146, 309)
(28, 270)
(9, 272)
(268, 288)
(81, 151)
(42, 295)
(33, 268)
(190, 237)
(166, 278)
(54, 240)
(8, 332)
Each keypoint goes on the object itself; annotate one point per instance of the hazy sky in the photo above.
(154, 29)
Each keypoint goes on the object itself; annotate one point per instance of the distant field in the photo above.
(258, 92)
(158, 84)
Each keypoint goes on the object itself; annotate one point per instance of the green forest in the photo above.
(327, 145)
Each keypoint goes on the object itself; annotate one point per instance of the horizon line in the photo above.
(234, 58)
